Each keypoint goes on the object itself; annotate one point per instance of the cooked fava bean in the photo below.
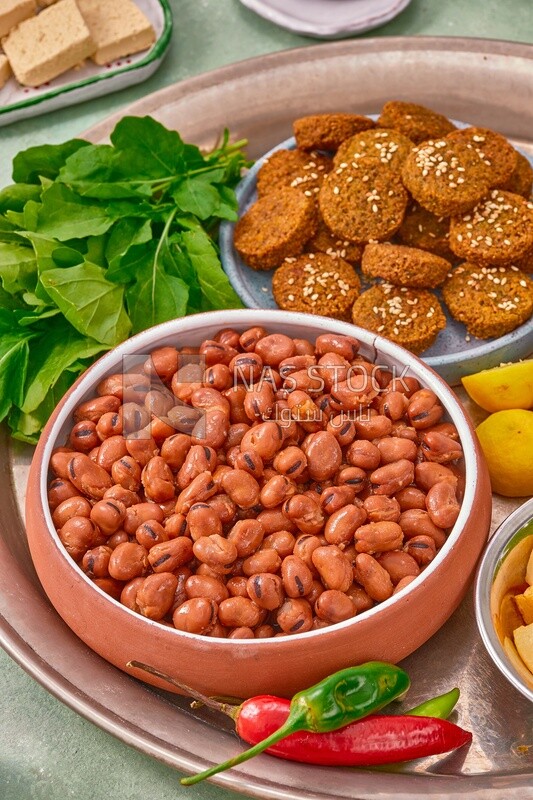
(442, 504)
(276, 491)
(75, 506)
(424, 409)
(392, 404)
(259, 402)
(84, 437)
(422, 548)
(246, 535)
(266, 590)
(141, 447)
(150, 533)
(274, 348)
(199, 490)
(399, 565)
(241, 633)
(427, 474)
(128, 596)
(291, 462)
(139, 513)
(417, 522)
(249, 461)
(342, 428)
(393, 477)
(163, 361)
(334, 606)
(377, 537)
(110, 586)
(281, 541)
(203, 521)
(111, 449)
(218, 376)
(109, 515)
(93, 409)
(345, 346)
(304, 548)
(176, 525)
(236, 586)
(78, 534)
(333, 567)
(354, 477)
(297, 577)
(411, 497)
(236, 612)
(394, 448)
(333, 498)
(403, 583)
(267, 560)
(249, 339)
(156, 594)
(374, 579)
(88, 477)
(373, 427)
(224, 507)
(127, 472)
(60, 489)
(380, 508)
(215, 551)
(197, 615)
(95, 562)
(273, 519)
(168, 556)
(125, 496)
(110, 424)
(361, 600)
(197, 459)
(324, 455)
(264, 439)
(241, 487)
(206, 586)
(363, 454)
(128, 560)
(295, 616)
(305, 512)
(439, 447)
(117, 538)
(342, 525)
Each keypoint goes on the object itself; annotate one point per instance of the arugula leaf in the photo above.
(155, 296)
(56, 350)
(18, 268)
(147, 148)
(14, 352)
(197, 197)
(126, 233)
(16, 196)
(212, 278)
(26, 427)
(64, 215)
(94, 172)
(92, 304)
(44, 160)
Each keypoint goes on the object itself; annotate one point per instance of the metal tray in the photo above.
(487, 82)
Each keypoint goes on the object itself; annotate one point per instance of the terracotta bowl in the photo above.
(390, 631)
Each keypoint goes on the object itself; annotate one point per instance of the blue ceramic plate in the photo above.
(452, 356)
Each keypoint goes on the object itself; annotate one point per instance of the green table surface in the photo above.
(47, 752)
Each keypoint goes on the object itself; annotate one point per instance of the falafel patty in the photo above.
(498, 231)
(318, 284)
(275, 227)
(404, 266)
(296, 168)
(416, 122)
(491, 301)
(446, 176)
(410, 317)
(328, 131)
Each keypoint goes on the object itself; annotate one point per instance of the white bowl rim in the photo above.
(482, 587)
(244, 318)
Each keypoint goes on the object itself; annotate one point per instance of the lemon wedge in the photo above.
(501, 388)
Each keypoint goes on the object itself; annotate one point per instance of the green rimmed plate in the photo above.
(90, 80)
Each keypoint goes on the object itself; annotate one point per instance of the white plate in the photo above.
(327, 19)
(90, 80)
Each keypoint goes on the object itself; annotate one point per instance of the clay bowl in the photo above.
(390, 631)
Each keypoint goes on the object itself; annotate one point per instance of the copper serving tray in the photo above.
(485, 82)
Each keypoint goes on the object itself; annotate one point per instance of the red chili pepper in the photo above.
(374, 740)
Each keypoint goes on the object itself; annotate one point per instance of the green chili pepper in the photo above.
(441, 706)
(336, 701)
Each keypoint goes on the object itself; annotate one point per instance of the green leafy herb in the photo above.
(99, 241)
